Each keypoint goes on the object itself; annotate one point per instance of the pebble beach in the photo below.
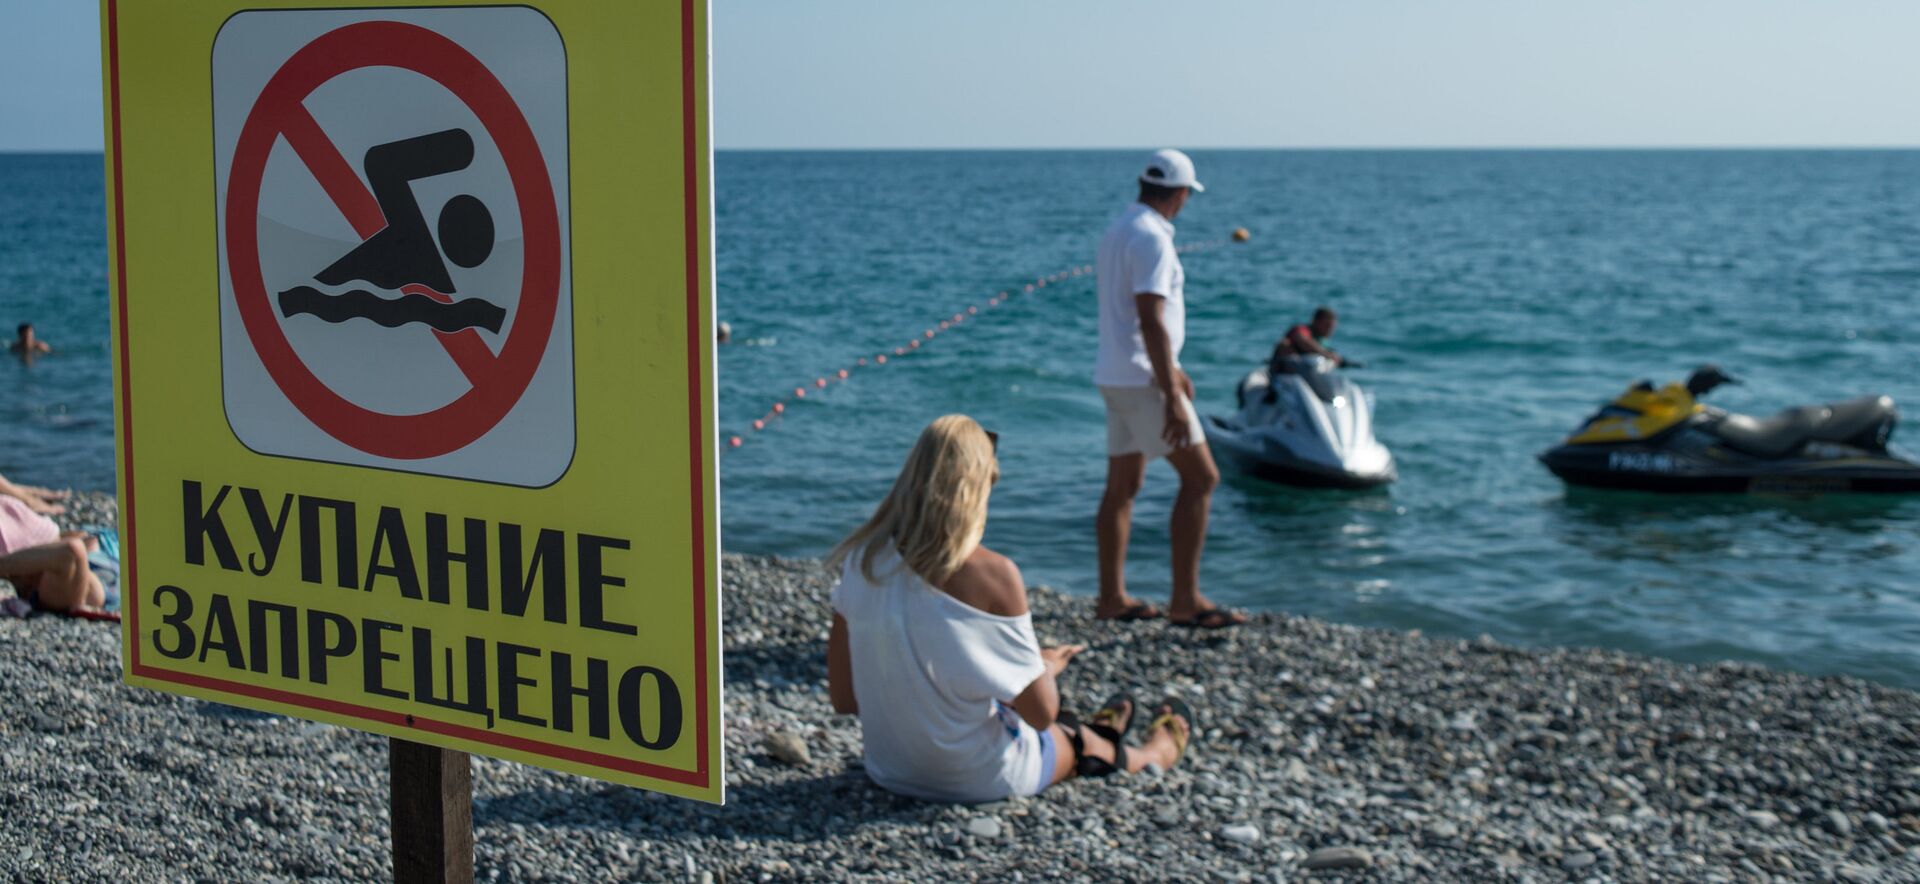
(1324, 752)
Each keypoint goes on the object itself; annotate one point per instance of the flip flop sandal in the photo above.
(1116, 706)
(1135, 612)
(1211, 619)
(1085, 765)
(1179, 708)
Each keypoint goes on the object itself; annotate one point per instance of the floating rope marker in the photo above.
(951, 323)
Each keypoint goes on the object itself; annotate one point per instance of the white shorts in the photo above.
(1136, 418)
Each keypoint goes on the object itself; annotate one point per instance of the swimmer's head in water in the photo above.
(466, 231)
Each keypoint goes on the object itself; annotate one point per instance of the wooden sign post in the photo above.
(431, 804)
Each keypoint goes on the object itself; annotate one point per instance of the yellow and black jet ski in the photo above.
(1664, 439)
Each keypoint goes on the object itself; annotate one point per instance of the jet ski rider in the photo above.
(1304, 340)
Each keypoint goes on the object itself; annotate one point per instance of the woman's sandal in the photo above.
(1176, 707)
(1114, 719)
(1212, 618)
(1102, 723)
(1135, 612)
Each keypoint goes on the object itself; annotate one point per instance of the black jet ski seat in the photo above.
(1312, 369)
(1866, 422)
(1863, 423)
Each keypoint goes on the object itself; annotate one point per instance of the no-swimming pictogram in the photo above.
(413, 338)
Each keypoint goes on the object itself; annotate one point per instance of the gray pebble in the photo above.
(1339, 858)
(1857, 874)
(1241, 833)
(788, 748)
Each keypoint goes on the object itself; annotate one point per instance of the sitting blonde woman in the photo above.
(933, 647)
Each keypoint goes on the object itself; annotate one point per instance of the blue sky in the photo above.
(1231, 73)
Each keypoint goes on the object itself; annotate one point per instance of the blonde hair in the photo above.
(937, 510)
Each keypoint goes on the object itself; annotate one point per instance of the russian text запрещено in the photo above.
(211, 630)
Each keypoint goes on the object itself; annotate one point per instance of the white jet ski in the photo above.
(1309, 427)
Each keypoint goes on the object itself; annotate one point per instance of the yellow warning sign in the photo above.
(414, 372)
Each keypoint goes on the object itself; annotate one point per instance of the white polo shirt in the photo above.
(1136, 257)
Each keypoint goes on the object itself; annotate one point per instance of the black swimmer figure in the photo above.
(404, 252)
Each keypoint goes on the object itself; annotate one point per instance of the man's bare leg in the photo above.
(1198, 478)
(1112, 527)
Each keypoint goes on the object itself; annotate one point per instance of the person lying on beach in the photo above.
(47, 567)
(26, 345)
(933, 647)
(41, 500)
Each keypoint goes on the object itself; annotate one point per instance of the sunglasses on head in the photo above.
(993, 439)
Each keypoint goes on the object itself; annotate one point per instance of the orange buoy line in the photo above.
(947, 324)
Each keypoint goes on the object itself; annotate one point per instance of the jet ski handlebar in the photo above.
(1707, 377)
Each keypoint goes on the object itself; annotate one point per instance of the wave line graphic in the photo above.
(393, 312)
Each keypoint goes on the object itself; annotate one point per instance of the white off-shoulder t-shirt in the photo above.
(935, 679)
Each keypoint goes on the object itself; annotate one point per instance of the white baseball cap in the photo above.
(1171, 168)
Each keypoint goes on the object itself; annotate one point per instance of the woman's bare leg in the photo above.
(1159, 749)
(88, 538)
(1063, 758)
(58, 574)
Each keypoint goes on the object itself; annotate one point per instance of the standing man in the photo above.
(1149, 399)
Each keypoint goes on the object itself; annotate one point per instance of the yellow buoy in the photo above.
(1240, 234)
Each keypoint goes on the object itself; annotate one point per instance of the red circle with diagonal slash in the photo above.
(498, 383)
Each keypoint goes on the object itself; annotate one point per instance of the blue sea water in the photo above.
(56, 414)
(1498, 298)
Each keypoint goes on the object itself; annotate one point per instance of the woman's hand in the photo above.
(39, 500)
(1057, 656)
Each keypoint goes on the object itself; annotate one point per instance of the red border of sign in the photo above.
(476, 412)
(696, 455)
